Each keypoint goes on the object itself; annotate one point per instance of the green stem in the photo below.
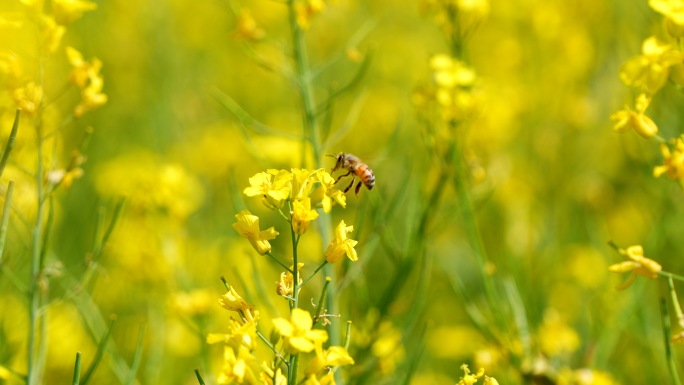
(669, 354)
(279, 262)
(312, 274)
(33, 372)
(322, 299)
(77, 369)
(671, 275)
(100, 352)
(10, 141)
(303, 78)
(675, 302)
(4, 222)
(199, 378)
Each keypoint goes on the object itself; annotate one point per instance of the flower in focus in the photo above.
(302, 215)
(674, 161)
(298, 333)
(233, 301)
(285, 287)
(649, 71)
(302, 183)
(341, 245)
(68, 11)
(468, 378)
(326, 193)
(28, 98)
(326, 379)
(627, 119)
(637, 264)
(273, 185)
(238, 369)
(247, 225)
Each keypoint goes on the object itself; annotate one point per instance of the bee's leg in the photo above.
(350, 185)
(358, 187)
(342, 176)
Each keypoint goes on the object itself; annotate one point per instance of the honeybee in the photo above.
(356, 168)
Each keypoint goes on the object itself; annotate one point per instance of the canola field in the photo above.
(341, 192)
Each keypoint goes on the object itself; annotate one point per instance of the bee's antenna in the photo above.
(331, 155)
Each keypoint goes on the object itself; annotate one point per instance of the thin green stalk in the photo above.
(137, 357)
(4, 222)
(100, 352)
(669, 354)
(322, 300)
(675, 303)
(10, 141)
(199, 378)
(325, 262)
(33, 372)
(347, 335)
(671, 275)
(284, 266)
(77, 369)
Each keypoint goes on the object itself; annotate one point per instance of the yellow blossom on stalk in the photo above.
(468, 378)
(674, 161)
(82, 68)
(627, 119)
(233, 301)
(68, 11)
(649, 71)
(285, 287)
(307, 9)
(91, 96)
(298, 333)
(302, 183)
(449, 72)
(302, 215)
(333, 356)
(326, 193)
(341, 245)
(273, 185)
(28, 98)
(637, 264)
(240, 368)
(239, 335)
(247, 225)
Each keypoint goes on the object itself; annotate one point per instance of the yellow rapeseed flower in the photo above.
(285, 287)
(468, 378)
(674, 161)
(91, 96)
(637, 264)
(247, 225)
(246, 26)
(267, 376)
(637, 120)
(298, 333)
(326, 193)
(341, 245)
(306, 10)
(240, 368)
(234, 302)
(326, 379)
(68, 11)
(302, 183)
(273, 185)
(649, 71)
(240, 334)
(52, 33)
(81, 67)
(302, 215)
